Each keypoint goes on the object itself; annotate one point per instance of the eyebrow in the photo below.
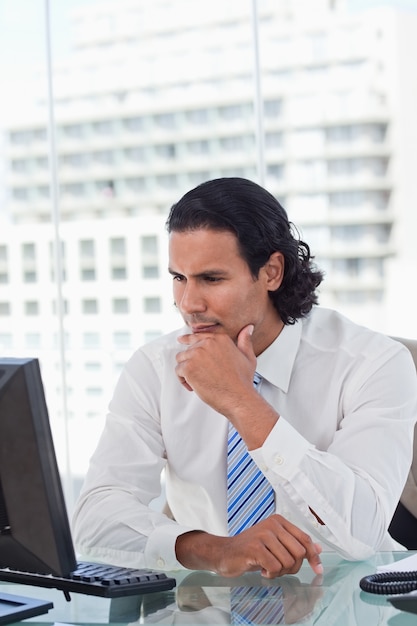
(212, 272)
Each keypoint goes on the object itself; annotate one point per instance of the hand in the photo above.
(216, 368)
(221, 373)
(273, 546)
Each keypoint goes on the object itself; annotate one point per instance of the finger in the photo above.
(279, 553)
(184, 383)
(190, 338)
(313, 550)
(244, 342)
(288, 552)
(314, 560)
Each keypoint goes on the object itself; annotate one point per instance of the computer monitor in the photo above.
(34, 528)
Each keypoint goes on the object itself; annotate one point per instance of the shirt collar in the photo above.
(276, 363)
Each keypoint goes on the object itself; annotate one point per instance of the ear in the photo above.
(274, 270)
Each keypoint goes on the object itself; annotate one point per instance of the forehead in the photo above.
(204, 247)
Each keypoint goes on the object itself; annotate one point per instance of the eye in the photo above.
(213, 279)
(178, 277)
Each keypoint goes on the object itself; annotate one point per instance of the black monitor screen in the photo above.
(34, 528)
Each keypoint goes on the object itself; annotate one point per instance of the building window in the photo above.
(91, 340)
(4, 308)
(232, 112)
(121, 339)
(20, 165)
(118, 246)
(20, 193)
(104, 127)
(136, 154)
(150, 335)
(74, 131)
(272, 108)
(21, 137)
(166, 151)
(88, 273)
(90, 306)
(92, 366)
(87, 248)
(165, 120)
(200, 146)
(232, 144)
(28, 251)
(74, 190)
(32, 307)
(75, 160)
(39, 134)
(197, 117)
(152, 305)
(135, 184)
(273, 140)
(167, 181)
(150, 271)
(149, 244)
(120, 305)
(42, 163)
(33, 340)
(42, 192)
(118, 273)
(275, 170)
(198, 177)
(133, 124)
(6, 340)
(104, 157)
(29, 276)
(93, 391)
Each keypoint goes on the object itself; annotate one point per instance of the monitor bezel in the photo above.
(39, 537)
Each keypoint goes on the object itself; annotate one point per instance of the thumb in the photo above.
(244, 341)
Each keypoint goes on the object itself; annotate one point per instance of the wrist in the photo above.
(198, 550)
(254, 422)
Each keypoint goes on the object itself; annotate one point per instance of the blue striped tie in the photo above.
(253, 606)
(250, 496)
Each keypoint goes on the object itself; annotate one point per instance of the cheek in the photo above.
(176, 291)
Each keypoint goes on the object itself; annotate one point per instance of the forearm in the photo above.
(114, 527)
(353, 505)
(198, 550)
(253, 418)
(273, 546)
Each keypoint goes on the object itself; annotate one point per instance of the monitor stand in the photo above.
(15, 608)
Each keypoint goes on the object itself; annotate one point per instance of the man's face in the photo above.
(214, 289)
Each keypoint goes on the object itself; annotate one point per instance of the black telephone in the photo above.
(401, 587)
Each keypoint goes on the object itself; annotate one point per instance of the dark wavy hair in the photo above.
(261, 226)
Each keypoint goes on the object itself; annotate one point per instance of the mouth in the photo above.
(203, 328)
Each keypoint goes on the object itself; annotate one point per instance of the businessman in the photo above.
(260, 385)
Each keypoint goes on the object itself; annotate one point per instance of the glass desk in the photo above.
(204, 598)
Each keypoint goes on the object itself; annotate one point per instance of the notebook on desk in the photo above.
(35, 539)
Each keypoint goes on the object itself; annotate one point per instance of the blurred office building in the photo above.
(315, 101)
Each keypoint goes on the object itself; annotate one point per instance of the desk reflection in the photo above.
(333, 599)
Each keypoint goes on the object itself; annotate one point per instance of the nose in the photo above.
(189, 299)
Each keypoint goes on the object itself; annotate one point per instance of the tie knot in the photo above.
(256, 379)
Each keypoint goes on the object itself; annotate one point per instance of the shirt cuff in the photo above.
(160, 547)
(282, 451)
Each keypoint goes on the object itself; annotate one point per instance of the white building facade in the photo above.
(159, 96)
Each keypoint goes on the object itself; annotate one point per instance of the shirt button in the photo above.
(278, 459)
(160, 562)
(263, 468)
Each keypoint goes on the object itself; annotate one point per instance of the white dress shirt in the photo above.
(347, 398)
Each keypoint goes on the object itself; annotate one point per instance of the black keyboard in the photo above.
(96, 579)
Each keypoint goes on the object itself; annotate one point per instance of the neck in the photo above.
(263, 340)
